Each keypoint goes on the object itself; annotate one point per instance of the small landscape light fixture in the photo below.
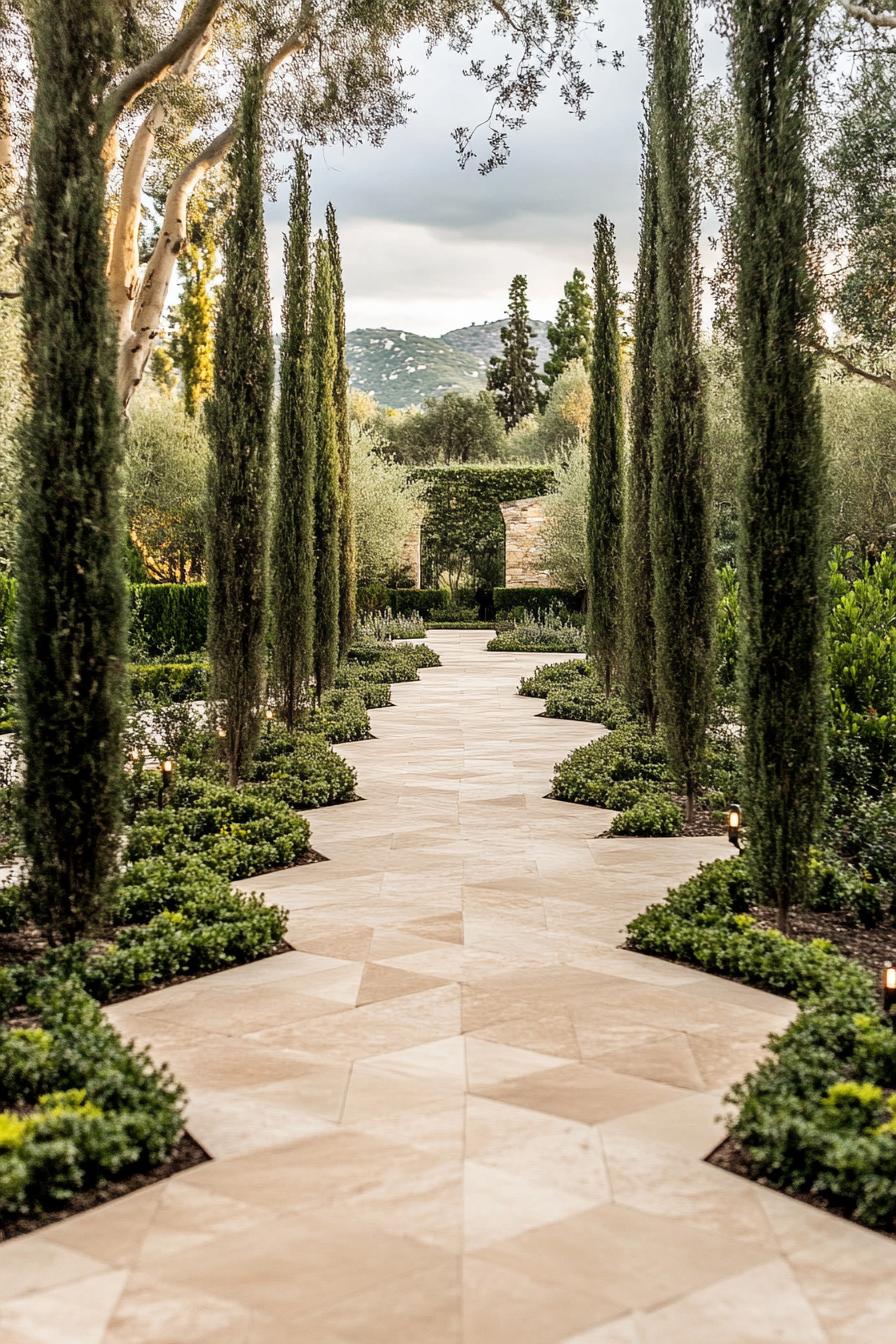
(735, 821)
(167, 769)
(222, 732)
(269, 714)
(889, 989)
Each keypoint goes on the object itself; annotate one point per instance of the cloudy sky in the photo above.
(428, 246)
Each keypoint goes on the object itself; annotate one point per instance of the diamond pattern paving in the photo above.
(457, 1113)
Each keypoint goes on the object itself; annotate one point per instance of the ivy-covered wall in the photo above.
(463, 531)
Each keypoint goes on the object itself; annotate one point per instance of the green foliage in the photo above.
(587, 703)
(348, 559)
(301, 770)
(463, 530)
(566, 512)
(453, 428)
(590, 773)
(534, 600)
(551, 676)
(239, 411)
(340, 716)
(71, 627)
(166, 470)
(168, 618)
(782, 538)
(680, 523)
(386, 508)
(383, 625)
(327, 473)
(606, 435)
(638, 655)
(727, 635)
(424, 601)
(543, 632)
(570, 333)
(292, 553)
(862, 655)
(237, 832)
(82, 1107)
(653, 815)
(512, 377)
(168, 682)
(192, 346)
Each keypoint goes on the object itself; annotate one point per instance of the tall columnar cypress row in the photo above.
(638, 633)
(781, 562)
(513, 376)
(605, 458)
(570, 332)
(680, 511)
(292, 557)
(326, 493)
(72, 624)
(348, 563)
(239, 412)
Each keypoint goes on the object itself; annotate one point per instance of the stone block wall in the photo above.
(524, 521)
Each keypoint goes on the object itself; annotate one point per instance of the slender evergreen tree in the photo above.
(512, 377)
(570, 332)
(292, 554)
(638, 634)
(326, 493)
(71, 634)
(680, 519)
(781, 564)
(348, 564)
(192, 345)
(605, 458)
(239, 412)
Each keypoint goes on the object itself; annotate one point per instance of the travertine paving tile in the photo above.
(458, 1112)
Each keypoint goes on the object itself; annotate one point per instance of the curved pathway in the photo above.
(458, 1112)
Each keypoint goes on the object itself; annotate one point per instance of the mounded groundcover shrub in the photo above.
(79, 1106)
(552, 675)
(654, 815)
(573, 691)
(629, 755)
(301, 770)
(238, 832)
(341, 716)
(540, 633)
(818, 1115)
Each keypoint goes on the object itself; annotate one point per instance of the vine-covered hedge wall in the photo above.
(463, 524)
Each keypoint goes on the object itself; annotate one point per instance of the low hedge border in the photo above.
(534, 600)
(301, 770)
(818, 1116)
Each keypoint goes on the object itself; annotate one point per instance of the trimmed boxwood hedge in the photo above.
(301, 770)
(535, 600)
(169, 617)
(171, 682)
(818, 1115)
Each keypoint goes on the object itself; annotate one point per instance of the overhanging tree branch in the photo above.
(866, 15)
(881, 379)
(156, 67)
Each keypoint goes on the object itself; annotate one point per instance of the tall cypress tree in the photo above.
(680, 519)
(570, 332)
(292, 557)
(326, 493)
(781, 563)
(71, 634)
(348, 564)
(638, 633)
(605, 457)
(192, 345)
(512, 377)
(239, 412)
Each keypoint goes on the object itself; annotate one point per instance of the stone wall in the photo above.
(524, 522)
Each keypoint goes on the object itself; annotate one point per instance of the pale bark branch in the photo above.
(158, 66)
(870, 16)
(149, 305)
(886, 380)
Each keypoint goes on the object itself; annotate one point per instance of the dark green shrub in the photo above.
(237, 832)
(374, 694)
(82, 1107)
(13, 907)
(535, 600)
(372, 597)
(652, 815)
(587, 703)
(629, 753)
(301, 770)
(341, 716)
(169, 617)
(422, 601)
(542, 633)
(835, 886)
(10, 830)
(546, 678)
(172, 682)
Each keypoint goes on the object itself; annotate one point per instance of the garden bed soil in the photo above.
(731, 1157)
(186, 1153)
(871, 948)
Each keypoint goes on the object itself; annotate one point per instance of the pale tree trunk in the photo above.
(143, 300)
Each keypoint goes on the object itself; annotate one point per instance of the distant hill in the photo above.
(483, 339)
(402, 369)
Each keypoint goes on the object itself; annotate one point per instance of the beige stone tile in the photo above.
(544, 1148)
(668, 1060)
(152, 1312)
(498, 1204)
(70, 1313)
(583, 1092)
(391, 982)
(757, 1307)
(502, 1305)
(62, 1253)
(491, 1062)
(424, 1308)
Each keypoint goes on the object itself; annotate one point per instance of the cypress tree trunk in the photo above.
(638, 633)
(239, 428)
(604, 531)
(71, 633)
(680, 520)
(326, 493)
(782, 540)
(293, 549)
(348, 564)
